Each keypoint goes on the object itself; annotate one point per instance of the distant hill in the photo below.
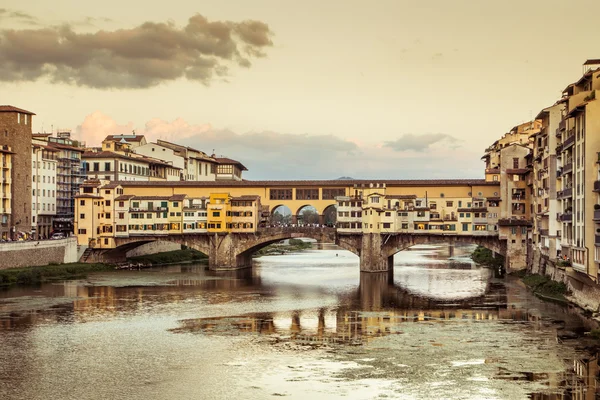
(344, 178)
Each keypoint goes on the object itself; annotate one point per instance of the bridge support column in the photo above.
(224, 254)
(516, 256)
(372, 258)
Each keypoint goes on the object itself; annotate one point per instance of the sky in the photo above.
(298, 90)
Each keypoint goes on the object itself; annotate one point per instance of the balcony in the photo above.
(568, 141)
(562, 125)
(568, 168)
(597, 240)
(544, 232)
(566, 193)
(568, 217)
(596, 215)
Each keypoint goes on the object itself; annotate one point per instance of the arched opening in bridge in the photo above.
(330, 215)
(281, 216)
(308, 215)
(145, 247)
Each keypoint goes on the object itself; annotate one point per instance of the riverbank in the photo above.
(170, 257)
(544, 287)
(54, 272)
(294, 246)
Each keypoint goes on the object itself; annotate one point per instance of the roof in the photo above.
(6, 150)
(87, 196)
(65, 147)
(375, 194)
(514, 222)
(401, 196)
(592, 61)
(246, 197)
(576, 110)
(178, 197)
(110, 185)
(7, 108)
(229, 161)
(129, 138)
(124, 197)
(313, 183)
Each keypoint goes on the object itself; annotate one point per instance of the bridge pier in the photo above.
(372, 257)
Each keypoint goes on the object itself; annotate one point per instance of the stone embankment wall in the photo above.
(37, 253)
(583, 291)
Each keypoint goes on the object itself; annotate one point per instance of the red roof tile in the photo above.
(7, 108)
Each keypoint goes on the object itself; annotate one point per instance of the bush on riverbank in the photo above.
(546, 287)
(169, 257)
(484, 256)
(37, 275)
(294, 246)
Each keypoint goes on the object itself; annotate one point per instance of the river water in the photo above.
(302, 326)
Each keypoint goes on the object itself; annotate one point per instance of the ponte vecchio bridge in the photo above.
(446, 203)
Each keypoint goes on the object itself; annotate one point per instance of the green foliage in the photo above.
(543, 285)
(484, 256)
(37, 275)
(169, 257)
(564, 263)
(295, 245)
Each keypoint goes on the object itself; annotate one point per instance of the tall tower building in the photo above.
(15, 132)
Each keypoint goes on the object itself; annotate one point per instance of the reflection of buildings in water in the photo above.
(378, 291)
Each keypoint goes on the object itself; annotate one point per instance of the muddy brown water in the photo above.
(298, 326)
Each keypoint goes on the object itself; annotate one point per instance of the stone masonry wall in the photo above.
(37, 253)
(153, 248)
(582, 294)
(18, 137)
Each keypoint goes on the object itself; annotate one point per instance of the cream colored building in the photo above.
(44, 166)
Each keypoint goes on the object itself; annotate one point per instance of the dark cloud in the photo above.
(421, 143)
(140, 57)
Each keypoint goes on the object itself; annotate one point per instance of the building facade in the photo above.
(16, 134)
(44, 187)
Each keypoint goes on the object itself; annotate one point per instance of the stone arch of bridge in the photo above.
(330, 214)
(244, 253)
(402, 242)
(124, 245)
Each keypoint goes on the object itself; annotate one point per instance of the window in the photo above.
(465, 227)
(121, 204)
(449, 203)
(280, 194)
(375, 199)
(82, 202)
(107, 202)
(307, 194)
(81, 231)
(121, 215)
(81, 216)
(330, 194)
(175, 204)
(523, 230)
(386, 225)
(216, 214)
(515, 163)
(96, 166)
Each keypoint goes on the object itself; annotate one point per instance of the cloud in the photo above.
(97, 126)
(420, 143)
(139, 57)
(19, 16)
(275, 155)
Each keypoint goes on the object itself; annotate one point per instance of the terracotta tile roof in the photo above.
(7, 108)
(129, 138)
(229, 161)
(178, 197)
(111, 185)
(246, 197)
(124, 197)
(401, 196)
(514, 222)
(87, 196)
(65, 147)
